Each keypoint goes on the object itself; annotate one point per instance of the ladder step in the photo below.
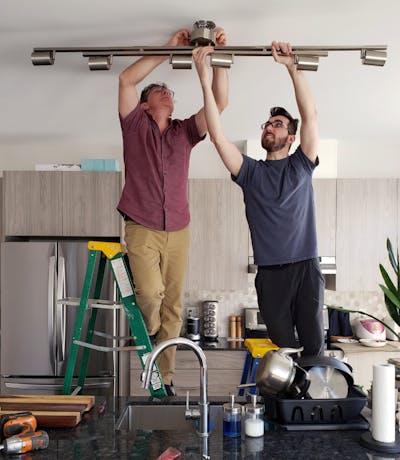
(115, 337)
(103, 348)
(92, 303)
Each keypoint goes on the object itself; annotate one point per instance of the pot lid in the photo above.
(327, 383)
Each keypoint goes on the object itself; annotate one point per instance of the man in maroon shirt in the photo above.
(154, 200)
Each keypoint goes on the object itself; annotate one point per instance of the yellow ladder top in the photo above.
(109, 249)
(258, 347)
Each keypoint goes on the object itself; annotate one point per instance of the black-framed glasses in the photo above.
(162, 89)
(275, 124)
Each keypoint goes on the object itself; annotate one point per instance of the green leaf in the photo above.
(392, 310)
(394, 263)
(388, 281)
(392, 297)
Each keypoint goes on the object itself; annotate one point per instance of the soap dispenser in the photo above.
(232, 423)
(253, 418)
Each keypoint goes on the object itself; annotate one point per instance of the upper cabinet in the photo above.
(219, 236)
(367, 214)
(325, 209)
(80, 204)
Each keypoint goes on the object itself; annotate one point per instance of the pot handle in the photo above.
(286, 351)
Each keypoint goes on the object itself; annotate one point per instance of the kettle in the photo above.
(276, 371)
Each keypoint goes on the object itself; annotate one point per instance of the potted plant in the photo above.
(391, 291)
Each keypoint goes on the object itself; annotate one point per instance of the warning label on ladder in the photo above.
(122, 278)
(155, 378)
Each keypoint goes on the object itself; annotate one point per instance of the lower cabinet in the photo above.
(224, 373)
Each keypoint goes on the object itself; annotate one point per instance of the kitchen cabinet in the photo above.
(224, 372)
(366, 216)
(325, 215)
(55, 203)
(219, 236)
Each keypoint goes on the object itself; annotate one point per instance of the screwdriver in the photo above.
(25, 443)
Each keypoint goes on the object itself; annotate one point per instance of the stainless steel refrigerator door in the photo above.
(27, 306)
(72, 261)
(37, 386)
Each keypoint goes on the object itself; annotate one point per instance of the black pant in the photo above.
(289, 296)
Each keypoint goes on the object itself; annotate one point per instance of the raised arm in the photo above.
(136, 72)
(219, 88)
(304, 99)
(228, 152)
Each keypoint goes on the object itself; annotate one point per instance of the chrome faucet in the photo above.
(203, 403)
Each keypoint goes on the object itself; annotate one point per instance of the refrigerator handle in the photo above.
(61, 313)
(50, 306)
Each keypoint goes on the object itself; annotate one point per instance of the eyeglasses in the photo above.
(275, 124)
(162, 89)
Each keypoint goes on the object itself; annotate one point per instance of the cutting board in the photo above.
(50, 410)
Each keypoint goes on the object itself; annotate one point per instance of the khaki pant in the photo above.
(158, 260)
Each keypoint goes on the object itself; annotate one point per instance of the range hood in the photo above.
(328, 265)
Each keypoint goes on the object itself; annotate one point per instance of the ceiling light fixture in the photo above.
(373, 57)
(100, 62)
(203, 34)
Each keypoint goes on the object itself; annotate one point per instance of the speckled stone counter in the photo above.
(96, 438)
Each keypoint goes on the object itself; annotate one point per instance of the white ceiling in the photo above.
(67, 102)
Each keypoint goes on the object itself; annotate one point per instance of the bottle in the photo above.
(253, 418)
(232, 423)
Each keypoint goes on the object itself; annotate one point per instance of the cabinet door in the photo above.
(89, 204)
(32, 203)
(219, 236)
(366, 216)
(325, 209)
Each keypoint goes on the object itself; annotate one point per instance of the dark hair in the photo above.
(293, 122)
(145, 92)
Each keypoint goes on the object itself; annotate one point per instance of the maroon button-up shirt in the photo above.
(156, 170)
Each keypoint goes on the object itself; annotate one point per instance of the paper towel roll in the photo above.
(383, 403)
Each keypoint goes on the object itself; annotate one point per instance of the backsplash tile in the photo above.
(233, 302)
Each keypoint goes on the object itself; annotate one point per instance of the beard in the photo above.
(273, 144)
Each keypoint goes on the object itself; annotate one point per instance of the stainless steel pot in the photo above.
(276, 371)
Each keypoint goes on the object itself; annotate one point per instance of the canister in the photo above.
(210, 319)
(232, 423)
(192, 327)
(254, 418)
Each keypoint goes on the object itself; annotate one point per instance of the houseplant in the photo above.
(391, 291)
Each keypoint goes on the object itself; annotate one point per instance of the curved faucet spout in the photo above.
(203, 404)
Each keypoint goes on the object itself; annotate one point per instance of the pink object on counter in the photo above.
(169, 454)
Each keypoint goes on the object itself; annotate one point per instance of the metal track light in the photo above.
(306, 62)
(370, 57)
(100, 62)
(182, 61)
(43, 57)
(221, 60)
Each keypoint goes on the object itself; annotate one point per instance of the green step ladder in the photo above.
(112, 252)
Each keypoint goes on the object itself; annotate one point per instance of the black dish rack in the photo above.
(315, 411)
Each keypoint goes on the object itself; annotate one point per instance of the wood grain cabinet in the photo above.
(366, 216)
(219, 236)
(224, 372)
(52, 203)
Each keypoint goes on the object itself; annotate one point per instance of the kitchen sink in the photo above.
(164, 417)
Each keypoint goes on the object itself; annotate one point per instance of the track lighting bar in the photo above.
(180, 57)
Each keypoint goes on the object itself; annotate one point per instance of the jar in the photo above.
(232, 422)
(254, 418)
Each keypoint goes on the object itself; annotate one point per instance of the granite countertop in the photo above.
(96, 438)
(222, 343)
(357, 347)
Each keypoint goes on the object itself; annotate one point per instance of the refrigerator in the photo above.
(37, 331)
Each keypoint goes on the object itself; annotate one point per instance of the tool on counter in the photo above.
(25, 443)
(17, 424)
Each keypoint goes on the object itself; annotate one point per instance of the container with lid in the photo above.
(192, 327)
(254, 418)
(232, 423)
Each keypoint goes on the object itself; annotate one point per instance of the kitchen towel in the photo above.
(383, 403)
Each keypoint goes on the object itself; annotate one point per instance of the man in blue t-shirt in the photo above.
(280, 212)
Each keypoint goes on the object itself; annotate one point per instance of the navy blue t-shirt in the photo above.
(279, 201)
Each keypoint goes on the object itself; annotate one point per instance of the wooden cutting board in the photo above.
(50, 419)
(55, 411)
